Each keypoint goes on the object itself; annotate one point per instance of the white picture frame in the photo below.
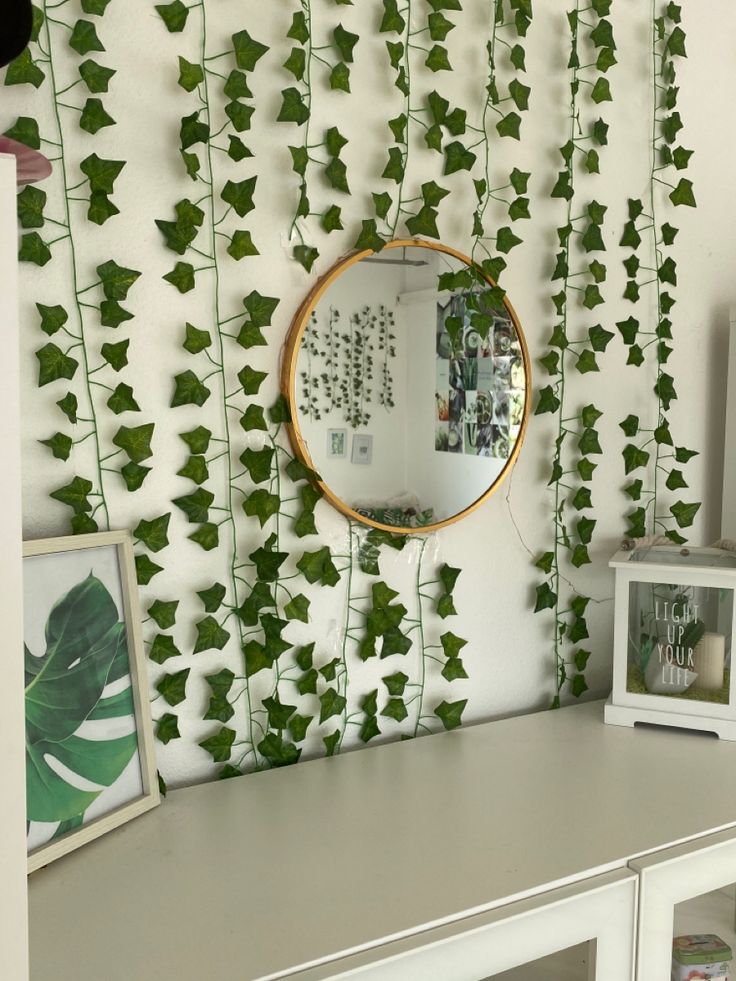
(337, 444)
(362, 451)
(81, 592)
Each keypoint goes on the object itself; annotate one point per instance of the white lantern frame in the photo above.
(626, 707)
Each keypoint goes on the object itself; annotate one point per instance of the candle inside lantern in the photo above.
(709, 659)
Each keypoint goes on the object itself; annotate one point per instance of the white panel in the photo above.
(602, 909)
(13, 916)
(674, 876)
(728, 512)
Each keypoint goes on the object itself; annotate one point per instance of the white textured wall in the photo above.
(13, 915)
(509, 655)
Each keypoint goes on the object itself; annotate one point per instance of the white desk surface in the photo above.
(251, 877)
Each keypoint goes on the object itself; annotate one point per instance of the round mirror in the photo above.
(407, 375)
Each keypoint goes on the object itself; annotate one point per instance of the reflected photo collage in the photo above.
(480, 386)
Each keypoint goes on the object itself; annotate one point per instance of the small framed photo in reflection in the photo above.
(337, 443)
(362, 449)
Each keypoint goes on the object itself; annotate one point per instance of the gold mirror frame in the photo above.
(289, 371)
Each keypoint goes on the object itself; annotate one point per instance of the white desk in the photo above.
(288, 868)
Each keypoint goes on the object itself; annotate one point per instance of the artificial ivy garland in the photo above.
(650, 455)
(580, 240)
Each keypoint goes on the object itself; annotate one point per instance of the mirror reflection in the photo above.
(408, 378)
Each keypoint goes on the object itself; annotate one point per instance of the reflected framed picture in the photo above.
(337, 443)
(362, 449)
(90, 763)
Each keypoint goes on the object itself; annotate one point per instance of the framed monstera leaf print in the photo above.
(89, 741)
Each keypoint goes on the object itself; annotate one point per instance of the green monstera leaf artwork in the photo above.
(86, 653)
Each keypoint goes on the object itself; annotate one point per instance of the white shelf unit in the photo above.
(13, 905)
(491, 842)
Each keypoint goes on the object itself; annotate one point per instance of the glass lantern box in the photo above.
(673, 636)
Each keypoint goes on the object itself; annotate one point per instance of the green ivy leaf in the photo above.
(582, 499)
(683, 193)
(519, 208)
(53, 364)
(278, 752)
(135, 441)
(683, 455)
(195, 469)
(331, 220)
(318, 566)
(439, 26)
(305, 255)
(510, 126)
(506, 240)
(253, 419)
(190, 75)
(340, 78)
(84, 38)
(437, 59)
(519, 93)
(369, 730)
(589, 442)
(450, 713)
(634, 458)
(675, 480)
(145, 569)
(174, 15)
(210, 635)
(198, 440)
(248, 51)
(262, 505)
(457, 158)
(297, 608)
(30, 204)
(293, 108)
(676, 42)
(189, 390)
(630, 425)
(267, 563)
(96, 77)
(101, 208)
(94, 116)
(74, 494)
(196, 505)
(369, 239)
(331, 704)
(452, 644)
(25, 130)
(116, 280)
(60, 445)
(296, 63)
(112, 314)
(133, 474)
(154, 533)
(68, 406)
(669, 233)
(219, 745)
(392, 22)
(34, 249)
(684, 514)
(299, 30)
(424, 222)
(665, 389)
(257, 463)
(395, 708)
(122, 400)
(164, 613)
(167, 728)
(548, 401)
(599, 337)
